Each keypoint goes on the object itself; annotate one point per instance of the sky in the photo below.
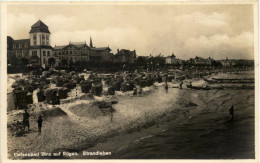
(216, 31)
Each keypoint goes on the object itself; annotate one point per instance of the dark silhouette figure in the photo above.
(166, 87)
(181, 84)
(135, 91)
(39, 121)
(26, 121)
(231, 111)
(140, 91)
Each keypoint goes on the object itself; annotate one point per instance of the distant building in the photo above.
(172, 60)
(236, 62)
(125, 56)
(201, 61)
(101, 54)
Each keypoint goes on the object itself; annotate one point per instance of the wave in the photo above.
(145, 137)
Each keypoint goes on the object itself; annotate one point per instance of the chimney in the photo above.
(117, 50)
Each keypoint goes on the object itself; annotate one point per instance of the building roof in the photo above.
(199, 58)
(125, 52)
(101, 49)
(59, 47)
(78, 44)
(21, 41)
(39, 26)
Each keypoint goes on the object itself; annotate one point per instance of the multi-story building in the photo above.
(17, 49)
(75, 51)
(40, 50)
(80, 51)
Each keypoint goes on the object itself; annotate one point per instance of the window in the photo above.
(70, 52)
(34, 39)
(14, 46)
(20, 46)
(48, 53)
(44, 53)
(47, 39)
(44, 61)
(43, 39)
(34, 53)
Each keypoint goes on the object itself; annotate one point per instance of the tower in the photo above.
(90, 43)
(40, 50)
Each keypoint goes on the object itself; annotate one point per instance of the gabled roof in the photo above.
(39, 23)
(125, 52)
(101, 48)
(78, 44)
(71, 44)
(21, 41)
(59, 47)
(39, 26)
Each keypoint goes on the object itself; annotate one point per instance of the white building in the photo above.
(40, 50)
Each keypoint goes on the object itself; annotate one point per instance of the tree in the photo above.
(64, 63)
(24, 61)
(51, 61)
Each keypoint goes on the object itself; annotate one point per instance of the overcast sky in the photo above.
(218, 31)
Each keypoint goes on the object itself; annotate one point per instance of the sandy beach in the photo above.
(80, 126)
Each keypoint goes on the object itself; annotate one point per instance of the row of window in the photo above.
(20, 46)
(43, 36)
(34, 53)
(69, 52)
(43, 42)
(74, 58)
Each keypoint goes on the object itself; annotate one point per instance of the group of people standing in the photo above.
(26, 121)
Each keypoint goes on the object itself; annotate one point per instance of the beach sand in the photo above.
(187, 119)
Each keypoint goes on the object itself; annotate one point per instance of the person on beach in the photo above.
(135, 91)
(39, 121)
(26, 121)
(166, 87)
(140, 91)
(231, 112)
(181, 84)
